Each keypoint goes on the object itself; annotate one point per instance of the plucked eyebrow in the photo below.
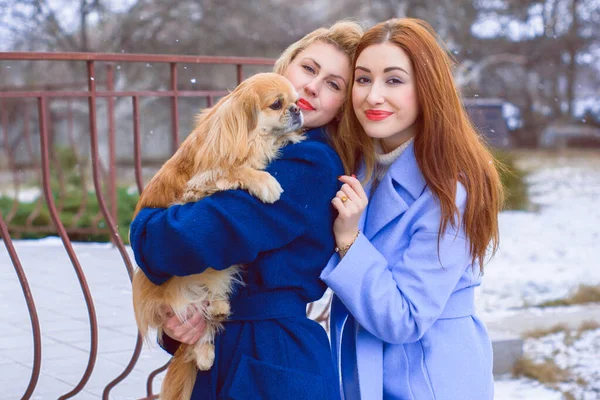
(332, 75)
(388, 69)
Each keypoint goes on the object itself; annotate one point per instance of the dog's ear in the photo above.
(248, 101)
(233, 121)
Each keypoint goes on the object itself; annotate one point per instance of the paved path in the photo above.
(64, 324)
(522, 321)
(507, 328)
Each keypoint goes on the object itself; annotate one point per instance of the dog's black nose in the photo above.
(294, 108)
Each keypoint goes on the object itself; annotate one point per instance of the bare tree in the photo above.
(545, 69)
(37, 26)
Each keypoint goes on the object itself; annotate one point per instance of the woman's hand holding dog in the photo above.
(188, 332)
(350, 202)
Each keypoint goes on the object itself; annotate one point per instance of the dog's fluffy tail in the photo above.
(180, 378)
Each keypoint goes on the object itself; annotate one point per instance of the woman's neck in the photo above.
(391, 143)
(385, 158)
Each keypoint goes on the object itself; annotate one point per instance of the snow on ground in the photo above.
(575, 353)
(547, 253)
(523, 389)
(24, 195)
(544, 255)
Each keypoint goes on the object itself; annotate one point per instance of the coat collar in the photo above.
(318, 134)
(398, 188)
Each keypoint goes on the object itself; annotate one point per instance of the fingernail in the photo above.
(354, 176)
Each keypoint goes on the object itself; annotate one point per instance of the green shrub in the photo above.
(69, 203)
(513, 180)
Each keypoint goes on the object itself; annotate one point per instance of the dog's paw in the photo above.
(219, 310)
(269, 190)
(294, 138)
(190, 195)
(205, 356)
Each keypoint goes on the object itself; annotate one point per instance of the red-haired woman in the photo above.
(403, 316)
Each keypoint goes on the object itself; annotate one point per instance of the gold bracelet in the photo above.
(342, 252)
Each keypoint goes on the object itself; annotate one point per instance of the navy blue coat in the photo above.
(269, 350)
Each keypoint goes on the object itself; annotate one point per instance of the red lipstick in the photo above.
(377, 115)
(305, 105)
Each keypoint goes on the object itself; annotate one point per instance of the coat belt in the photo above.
(267, 305)
(460, 304)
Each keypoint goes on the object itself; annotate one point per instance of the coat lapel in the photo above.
(390, 197)
(385, 205)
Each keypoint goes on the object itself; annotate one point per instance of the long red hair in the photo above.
(447, 147)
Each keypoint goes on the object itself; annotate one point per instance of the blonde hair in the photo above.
(344, 35)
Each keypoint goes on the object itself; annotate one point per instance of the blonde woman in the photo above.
(269, 349)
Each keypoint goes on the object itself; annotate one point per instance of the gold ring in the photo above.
(344, 199)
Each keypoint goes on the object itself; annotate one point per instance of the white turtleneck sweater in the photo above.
(383, 161)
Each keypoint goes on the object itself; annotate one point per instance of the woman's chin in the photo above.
(310, 124)
(376, 135)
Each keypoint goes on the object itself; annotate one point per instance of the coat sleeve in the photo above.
(398, 300)
(233, 227)
(168, 344)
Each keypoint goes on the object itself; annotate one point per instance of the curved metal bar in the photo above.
(81, 166)
(35, 322)
(29, 148)
(116, 238)
(69, 248)
(151, 377)
(137, 144)
(174, 109)
(112, 144)
(62, 194)
(99, 216)
(96, 175)
(127, 371)
(11, 163)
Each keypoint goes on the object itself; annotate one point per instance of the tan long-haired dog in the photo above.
(229, 148)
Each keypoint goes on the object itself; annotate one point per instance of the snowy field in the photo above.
(544, 255)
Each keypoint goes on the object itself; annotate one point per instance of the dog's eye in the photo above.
(276, 106)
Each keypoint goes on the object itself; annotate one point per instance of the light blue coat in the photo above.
(406, 312)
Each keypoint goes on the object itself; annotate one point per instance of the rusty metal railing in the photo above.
(55, 180)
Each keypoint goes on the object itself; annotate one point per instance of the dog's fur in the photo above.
(229, 148)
